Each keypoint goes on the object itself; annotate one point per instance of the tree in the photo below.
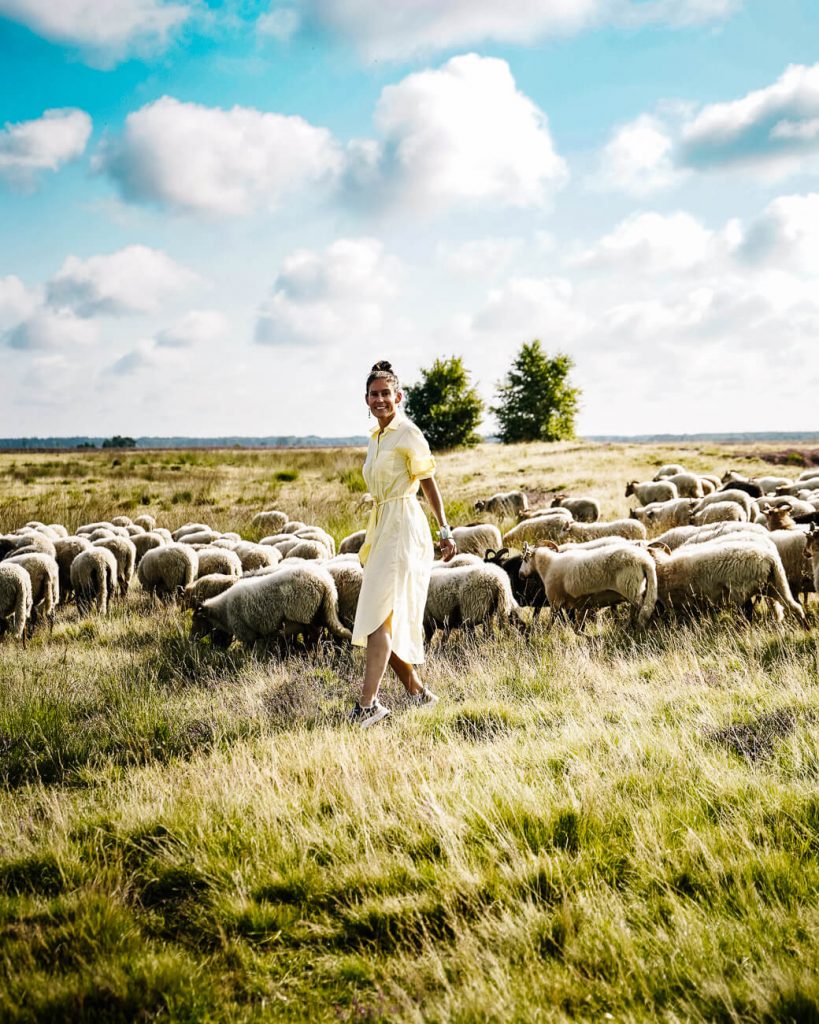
(117, 441)
(445, 406)
(536, 401)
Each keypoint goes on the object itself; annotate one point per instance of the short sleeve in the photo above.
(421, 462)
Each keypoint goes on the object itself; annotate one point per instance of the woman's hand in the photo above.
(448, 549)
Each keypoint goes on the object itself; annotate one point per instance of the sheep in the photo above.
(671, 469)
(90, 527)
(674, 537)
(284, 546)
(254, 556)
(663, 515)
(722, 572)
(794, 506)
(504, 505)
(147, 542)
(740, 497)
(189, 528)
(720, 512)
(275, 538)
(629, 529)
(146, 521)
(67, 549)
(469, 595)
(292, 597)
(94, 578)
(59, 529)
(778, 517)
(352, 542)
(45, 584)
(750, 487)
(162, 532)
(317, 534)
(122, 521)
(271, 519)
(102, 533)
(348, 576)
(584, 510)
(15, 598)
(528, 593)
(201, 537)
(688, 485)
(166, 571)
(27, 543)
(476, 538)
(579, 579)
(124, 550)
(651, 491)
(206, 587)
(769, 484)
(308, 549)
(765, 484)
(293, 526)
(811, 550)
(534, 531)
(218, 560)
(135, 531)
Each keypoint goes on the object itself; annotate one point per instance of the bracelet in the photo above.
(444, 532)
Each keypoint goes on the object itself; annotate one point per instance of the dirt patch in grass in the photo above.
(756, 739)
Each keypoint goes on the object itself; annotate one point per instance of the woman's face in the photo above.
(383, 399)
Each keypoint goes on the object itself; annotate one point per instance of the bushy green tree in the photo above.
(536, 401)
(118, 441)
(445, 405)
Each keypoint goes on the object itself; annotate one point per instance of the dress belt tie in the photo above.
(364, 551)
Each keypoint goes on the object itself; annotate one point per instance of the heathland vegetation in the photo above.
(607, 825)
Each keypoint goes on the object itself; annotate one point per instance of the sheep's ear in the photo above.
(527, 549)
(503, 553)
(786, 506)
(550, 544)
(490, 555)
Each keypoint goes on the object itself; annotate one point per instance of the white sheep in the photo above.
(316, 533)
(740, 497)
(122, 521)
(688, 485)
(663, 515)
(297, 598)
(27, 542)
(308, 549)
(146, 521)
(469, 595)
(720, 512)
(67, 549)
(94, 579)
(87, 528)
(535, 531)
(651, 491)
(166, 571)
(352, 543)
(254, 556)
(477, 538)
(272, 519)
(206, 587)
(722, 572)
(15, 598)
(218, 560)
(580, 579)
(124, 550)
(135, 531)
(670, 469)
(147, 542)
(504, 504)
(201, 538)
(629, 529)
(348, 575)
(584, 510)
(45, 584)
(189, 528)
(293, 526)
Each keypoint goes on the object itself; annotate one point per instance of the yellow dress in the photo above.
(397, 551)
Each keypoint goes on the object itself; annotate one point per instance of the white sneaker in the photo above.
(423, 698)
(365, 717)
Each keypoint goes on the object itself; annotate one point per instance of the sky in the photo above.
(215, 216)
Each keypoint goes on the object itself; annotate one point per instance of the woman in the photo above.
(397, 550)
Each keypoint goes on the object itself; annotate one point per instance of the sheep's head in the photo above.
(630, 487)
(558, 500)
(479, 505)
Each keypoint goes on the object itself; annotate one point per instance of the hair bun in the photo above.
(383, 365)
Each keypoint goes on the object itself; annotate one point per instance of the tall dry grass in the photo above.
(587, 827)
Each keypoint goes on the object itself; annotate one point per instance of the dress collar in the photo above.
(394, 423)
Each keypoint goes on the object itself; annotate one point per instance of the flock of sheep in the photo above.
(694, 542)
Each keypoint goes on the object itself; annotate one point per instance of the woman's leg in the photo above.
(379, 648)
(407, 674)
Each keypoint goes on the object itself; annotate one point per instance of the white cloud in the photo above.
(207, 160)
(482, 257)
(638, 158)
(785, 235)
(196, 327)
(460, 133)
(133, 280)
(330, 297)
(16, 301)
(279, 23)
(44, 144)
(530, 307)
(653, 243)
(106, 30)
(51, 329)
(398, 30)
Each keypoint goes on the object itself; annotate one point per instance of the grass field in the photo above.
(605, 826)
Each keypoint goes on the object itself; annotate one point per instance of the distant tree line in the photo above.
(535, 401)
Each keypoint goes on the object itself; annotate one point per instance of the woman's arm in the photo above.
(433, 496)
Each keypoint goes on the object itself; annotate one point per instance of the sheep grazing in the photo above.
(469, 595)
(67, 549)
(663, 515)
(165, 572)
(298, 598)
(94, 579)
(476, 538)
(206, 587)
(578, 580)
(749, 506)
(720, 512)
(536, 531)
(147, 542)
(670, 469)
(26, 543)
(528, 593)
(688, 485)
(122, 521)
(652, 490)
(750, 487)
(45, 584)
(15, 599)
(778, 517)
(308, 549)
(254, 556)
(188, 529)
(628, 529)
(351, 544)
(504, 505)
(722, 572)
(201, 538)
(124, 550)
(293, 526)
(218, 560)
(583, 510)
(322, 536)
(270, 520)
(146, 521)
(348, 576)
